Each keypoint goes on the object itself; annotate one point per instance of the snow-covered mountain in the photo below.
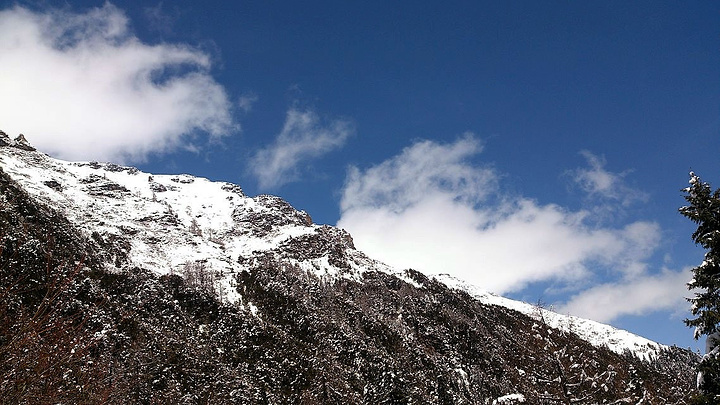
(167, 222)
(220, 240)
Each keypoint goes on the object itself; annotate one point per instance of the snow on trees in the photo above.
(704, 210)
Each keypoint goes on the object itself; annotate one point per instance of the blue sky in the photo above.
(534, 148)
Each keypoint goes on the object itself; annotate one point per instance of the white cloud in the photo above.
(598, 182)
(160, 18)
(247, 100)
(432, 209)
(82, 86)
(404, 180)
(302, 138)
(631, 296)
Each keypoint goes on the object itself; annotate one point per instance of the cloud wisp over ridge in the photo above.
(83, 86)
(431, 208)
(304, 137)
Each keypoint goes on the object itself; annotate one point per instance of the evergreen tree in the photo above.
(704, 210)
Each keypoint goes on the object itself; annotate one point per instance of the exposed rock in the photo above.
(19, 142)
(182, 179)
(157, 187)
(4, 139)
(105, 188)
(233, 188)
(22, 143)
(53, 185)
(271, 212)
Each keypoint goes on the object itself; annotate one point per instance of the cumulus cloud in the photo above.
(431, 208)
(83, 86)
(303, 137)
(404, 180)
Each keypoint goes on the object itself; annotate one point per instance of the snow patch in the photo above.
(510, 399)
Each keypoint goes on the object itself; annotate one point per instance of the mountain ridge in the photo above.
(266, 259)
(118, 182)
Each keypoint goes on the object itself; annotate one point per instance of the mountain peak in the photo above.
(19, 142)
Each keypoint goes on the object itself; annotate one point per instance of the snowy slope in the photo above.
(596, 333)
(166, 223)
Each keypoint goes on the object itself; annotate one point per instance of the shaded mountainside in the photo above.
(309, 319)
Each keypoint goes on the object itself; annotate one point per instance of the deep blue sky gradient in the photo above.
(636, 82)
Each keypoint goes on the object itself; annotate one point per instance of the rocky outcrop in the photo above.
(268, 213)
(19, 142)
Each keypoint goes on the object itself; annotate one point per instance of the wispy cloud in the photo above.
(247, 100)
(160, 18)
(601, 183)
(304, 137)
(431, 208)
(83, 86)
